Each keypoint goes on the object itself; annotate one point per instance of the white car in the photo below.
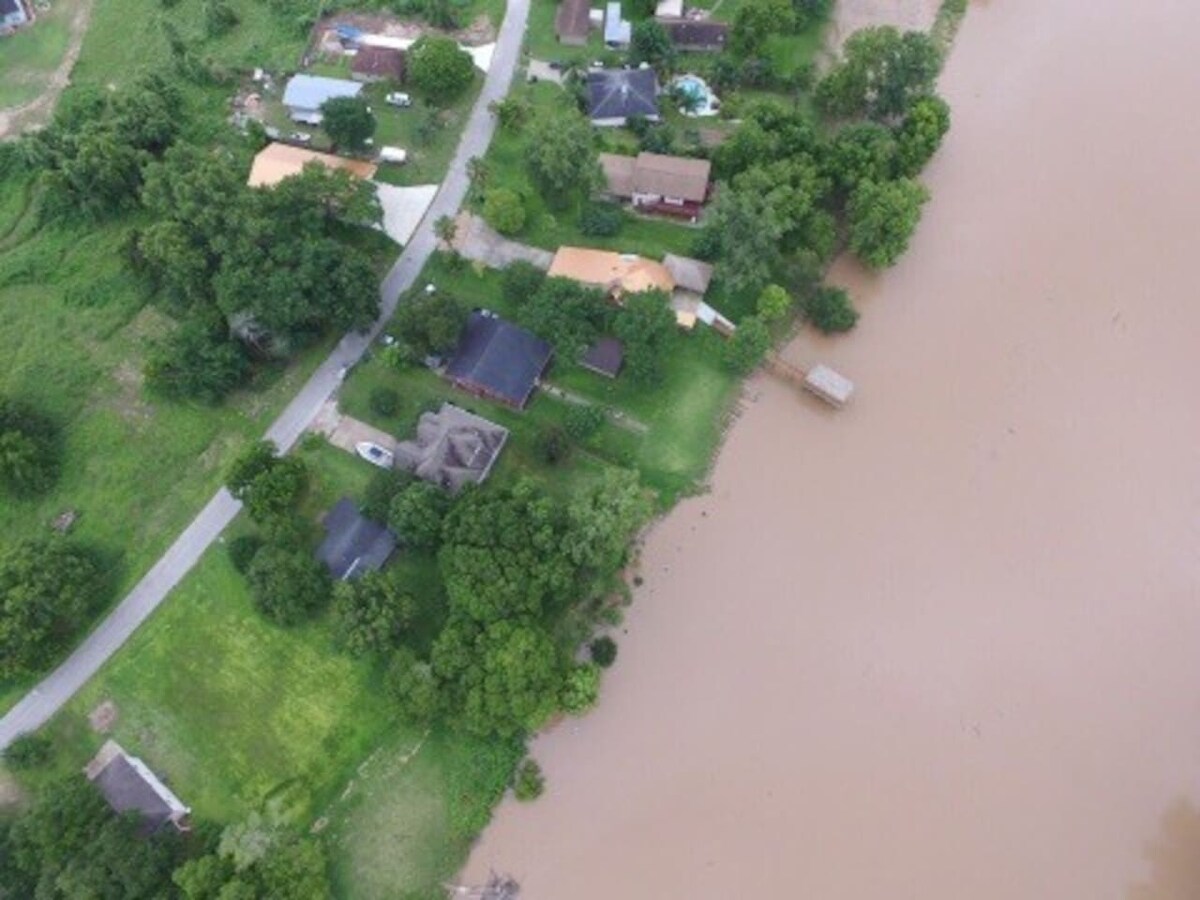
(398, 98)
(397, 155)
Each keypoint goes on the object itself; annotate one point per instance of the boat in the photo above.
(374, 454)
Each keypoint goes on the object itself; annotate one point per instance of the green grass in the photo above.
(29, 57)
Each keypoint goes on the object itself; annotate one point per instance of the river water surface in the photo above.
(944, 644)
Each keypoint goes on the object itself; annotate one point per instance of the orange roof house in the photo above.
(275, 162)
(616, 273)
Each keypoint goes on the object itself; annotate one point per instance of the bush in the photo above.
(29, 751)
(553, 445)
(749, 344)
(383, 402)
(830, 310)
(582, 421)
(504, 211)
(416, 516)
(384, 485)
(520, 281)
(242, 550)
(601, 219)
(29, 449)
(287, 585)
(528, 781)
(581, 689)
(411, 684)
(604, 651)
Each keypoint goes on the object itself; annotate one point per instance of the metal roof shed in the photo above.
(830, 386)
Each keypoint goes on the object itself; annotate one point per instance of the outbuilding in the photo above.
(353, 544)
(372, 64)
(129, 786)
(305, 94)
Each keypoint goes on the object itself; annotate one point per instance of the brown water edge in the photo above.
(942, 644)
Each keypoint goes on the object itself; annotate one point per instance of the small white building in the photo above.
(617, 31)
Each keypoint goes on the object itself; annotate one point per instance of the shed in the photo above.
(305, 94)
(496, 359)
(605, 357)
(572, 22)
(617, 95)
(617, 31)
(668, 9)
(830, 386)
(353, 545)
(373, 63)
(129, 786)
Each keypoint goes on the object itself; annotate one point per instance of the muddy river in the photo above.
(944, 644)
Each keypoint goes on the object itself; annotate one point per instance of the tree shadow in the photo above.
(1174, 857)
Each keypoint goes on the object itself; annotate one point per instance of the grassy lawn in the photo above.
(552, 228)
(29, 57)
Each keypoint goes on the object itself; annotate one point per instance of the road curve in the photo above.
(49, 696)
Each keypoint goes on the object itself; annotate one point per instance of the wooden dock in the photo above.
(824, 382)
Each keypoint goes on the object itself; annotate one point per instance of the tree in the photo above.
(743, 234)
(219, 18)
(29, 751)
(880, 74)
(830, 310)
(774, 303)
(920, 134)
(287, 585)
(384, 401)
(528, 781)
(440, 68)
(430, 324)
(446, 229)
(196, 361)
(561, 155)
(521, 280)
(268, 484)
(417, 514)
(793, 191)
(582, 420)
(348, 121)
(600, 219)
(863, 151)
(602, 519)
(748, 345)
(581, 689)
(48, 587)
(603, 651)
(882, 218)
(645, 324)
(29, 449)
(505, 678)
(502, 554)
(410, 682)
(568, 314)
(512, 112)
(504, 211)
(650, 43)
(370, 615)
(757, 20)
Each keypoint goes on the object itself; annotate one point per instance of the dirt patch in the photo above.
(11, 794)
(325, 39)
(15, 120)
(103, 717)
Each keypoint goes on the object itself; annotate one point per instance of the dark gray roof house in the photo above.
(353, 545)
(617, 95)
(12, 14)
(498, 360)
(130, 787)
(605, 357)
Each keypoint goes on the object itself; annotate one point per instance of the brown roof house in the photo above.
(130, 787)
(275, 162)
(373, 64)
(696, 35)
(675, 185)
(572, 22)
(453, 448)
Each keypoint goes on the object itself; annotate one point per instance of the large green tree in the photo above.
(863, 151)
(287, 585)
(429, 323)
(371, 614)
(645, 324)
(29, 449)
(881, 72)
(756, 20)
(602, 520)
(440, 68)
(748, 345)
(348, 121)
(48, 587)
(650, 43)
(920, 134)
(417, 514)
(561, 155)
(269, 485)
(883, 217)
(568, 314)
(196, 361)
(742, 233)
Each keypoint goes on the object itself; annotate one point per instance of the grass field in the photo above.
(29, 57)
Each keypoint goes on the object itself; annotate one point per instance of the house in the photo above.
(615, 273)
(453, 448)
(617, 95)
(13, 14)
(498, 360)
(372, 64)
(275, 162)
(605, 357)
(130, 787)
(353, 544)
(690, 275)
(698, 35)
(692, 278)
(572, 22)
(675, 185)
(305, 94)
(617, 31)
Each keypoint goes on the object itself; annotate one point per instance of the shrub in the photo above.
(416, 516)
(553, 445)
(384, 485)
(774, 303)
(410, 682)
(504, 211)
(242, 550)
(29, 751)
(601, 219)
(603, 651)
(749, 344)
(520, 281)
(528, 781)
(830, 310)
(581, 689)
(383, 401)
(29, 449)
(287, 585)
(582, 421)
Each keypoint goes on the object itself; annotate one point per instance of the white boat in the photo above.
(375, 454)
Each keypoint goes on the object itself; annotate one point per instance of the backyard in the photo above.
(30, 57)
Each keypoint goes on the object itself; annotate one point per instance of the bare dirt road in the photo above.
(942, 644)
(14, 120)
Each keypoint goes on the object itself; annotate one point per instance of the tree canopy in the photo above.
(287, 585)
(920, 134)
(348, 121)
(371, 614)
(561, 155)
(883, 217)
(269, 485)
(645, 324)
(197, 361)
(439, 67)
(29, 449)
(504, 211)
(429, 324)
(568, 314)
(417, 514)
(881, 72)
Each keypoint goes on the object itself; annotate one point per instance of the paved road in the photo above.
(36, 708)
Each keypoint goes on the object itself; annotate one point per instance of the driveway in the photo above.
(43, 701)
(478, 241)
(346, 432)
(403, 208)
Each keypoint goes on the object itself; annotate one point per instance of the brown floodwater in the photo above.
(944, 644)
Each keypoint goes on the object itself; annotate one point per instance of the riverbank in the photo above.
(944, 640)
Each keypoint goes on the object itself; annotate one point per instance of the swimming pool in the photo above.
(705, 101)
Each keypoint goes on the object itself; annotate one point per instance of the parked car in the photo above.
(300, 137)
(397, 155)
(398, 98)
(557, 65)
